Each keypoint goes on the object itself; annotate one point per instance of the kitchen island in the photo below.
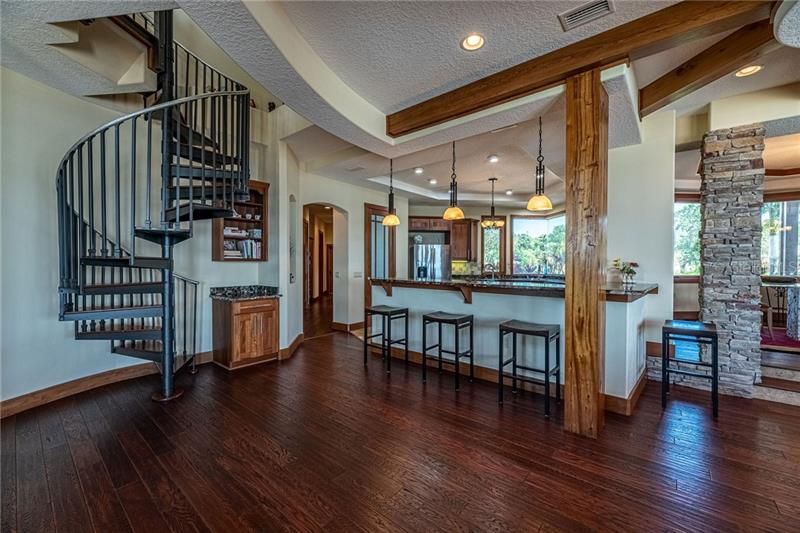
(494, 301)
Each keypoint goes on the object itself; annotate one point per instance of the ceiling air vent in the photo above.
(355, 169)
(586, 13)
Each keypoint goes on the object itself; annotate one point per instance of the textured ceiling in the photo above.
(265, 40)
(395, 54)
(27, 33)
(516, 147)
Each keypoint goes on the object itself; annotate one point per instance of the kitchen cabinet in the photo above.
(419, 223)
(245, 331)
(428, 224)
(464, 240)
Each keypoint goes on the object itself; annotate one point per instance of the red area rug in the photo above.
(779, 341)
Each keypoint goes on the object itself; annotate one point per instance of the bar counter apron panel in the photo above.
(625, 342)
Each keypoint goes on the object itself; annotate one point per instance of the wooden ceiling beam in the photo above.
(735, 51)
(657, 31)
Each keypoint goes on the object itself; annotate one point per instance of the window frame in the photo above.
(503, 235)
(529, 217)
(685, 198)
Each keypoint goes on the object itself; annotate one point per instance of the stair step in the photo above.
(207, 157)
(157, 235)
(789, 361)
(151, 353)
(121, 334)
(781, 384)
(115, 313)
(150, 287)
(138, 261)
(210, 174)
(199, 212)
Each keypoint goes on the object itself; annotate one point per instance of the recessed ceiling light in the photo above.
(509, 192)
(327, 207)
(493, 159)
(472, 42)
(432, 181)
(748, 71)
(418, 170)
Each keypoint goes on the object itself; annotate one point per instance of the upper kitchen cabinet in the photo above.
(464, 240)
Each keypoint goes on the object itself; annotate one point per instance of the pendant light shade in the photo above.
(453, 212)
(540, 201)
(493, 222)
(391, 219)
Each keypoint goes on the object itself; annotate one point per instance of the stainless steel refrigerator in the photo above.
(429, 261)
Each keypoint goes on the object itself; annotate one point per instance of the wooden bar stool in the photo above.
(388, 314)
(459, 322)
(699, 333)
(549, 332)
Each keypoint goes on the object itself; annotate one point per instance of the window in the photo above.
(779, 242)
(493, 249)
(538, 244)
(686, 258)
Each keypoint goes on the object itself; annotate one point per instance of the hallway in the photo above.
(318, 317)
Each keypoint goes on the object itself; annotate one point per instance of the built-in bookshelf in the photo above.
(243, 237)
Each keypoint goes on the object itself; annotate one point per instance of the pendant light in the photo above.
(391, 219)
(453, 212)
(540, 201)
(493, 222)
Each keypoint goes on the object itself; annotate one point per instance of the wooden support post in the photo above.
(587, 192)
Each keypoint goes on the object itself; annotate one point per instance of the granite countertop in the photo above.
(615, 292)
(244, 292)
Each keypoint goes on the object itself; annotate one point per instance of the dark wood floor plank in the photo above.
(34, 508)
(140, 507)
(8, 474)
(104, 508)
(318, 443)
(69, 506)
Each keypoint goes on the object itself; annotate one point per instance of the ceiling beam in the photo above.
(735, 51)
(655, 32)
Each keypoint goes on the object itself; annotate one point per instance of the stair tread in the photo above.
(782, 384)
(788, 361)
(119, 333)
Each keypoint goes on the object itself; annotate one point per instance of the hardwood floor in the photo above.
(318, 443)
(318, 317)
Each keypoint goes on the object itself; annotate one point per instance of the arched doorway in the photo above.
(322, 237)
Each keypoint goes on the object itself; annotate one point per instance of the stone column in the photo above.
(730, 247)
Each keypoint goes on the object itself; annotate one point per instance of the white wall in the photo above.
(640, 212)
(349, 202)
(759, 106)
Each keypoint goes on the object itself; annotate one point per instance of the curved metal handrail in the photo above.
(142, 112)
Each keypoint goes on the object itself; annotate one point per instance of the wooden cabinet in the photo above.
(464, 240)
(245, 331)
(428, 224)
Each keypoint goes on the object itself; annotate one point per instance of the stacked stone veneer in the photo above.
(730, 246)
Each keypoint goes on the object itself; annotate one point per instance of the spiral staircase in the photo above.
(131, 190)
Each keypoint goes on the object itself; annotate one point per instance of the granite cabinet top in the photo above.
(244, 292)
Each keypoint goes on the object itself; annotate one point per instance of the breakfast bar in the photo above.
(494, 301)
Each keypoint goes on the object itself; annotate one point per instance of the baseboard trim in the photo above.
(14, 406)
(347, 328)
(614, 404)
(288, 352)
(626, 406)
